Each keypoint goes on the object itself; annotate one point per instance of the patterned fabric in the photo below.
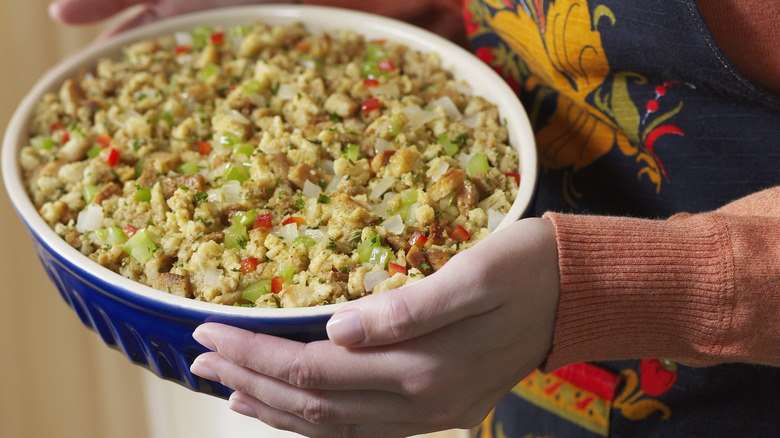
(636, 112)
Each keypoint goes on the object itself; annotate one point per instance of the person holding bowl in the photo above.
(642, 300)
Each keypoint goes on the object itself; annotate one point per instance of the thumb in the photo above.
(413, 310)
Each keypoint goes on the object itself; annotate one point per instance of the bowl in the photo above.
(154, 328)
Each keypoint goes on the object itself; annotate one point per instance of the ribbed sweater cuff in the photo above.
(634, 288)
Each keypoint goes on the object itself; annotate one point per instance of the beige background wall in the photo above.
(57, 378)
(50, 365)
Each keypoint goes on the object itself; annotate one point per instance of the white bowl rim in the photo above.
(316, 18)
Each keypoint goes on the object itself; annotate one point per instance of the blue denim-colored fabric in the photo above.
(725, 145)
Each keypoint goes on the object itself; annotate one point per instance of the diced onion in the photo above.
(215, 195)
(449, 106)
(320, 235)
(231, 191)
(238, 117)
(309, 63)
(258, 99)
(381, 187)
(183, 38)
(471, 121)
(310, 189)
(287, 91)
(89, 219)
(494, 218)
(464, 88)
(418, 116)
(411, 217)
(326, 166)
(373, 278)
(290, 232)
(391, 90)
(463, 160)
(394, 225)
(334, 184)
(211, 276)
(439, 170)
(383, 145)
(184, 59)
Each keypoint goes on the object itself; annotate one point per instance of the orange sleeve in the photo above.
(443, 17)
(700, 289)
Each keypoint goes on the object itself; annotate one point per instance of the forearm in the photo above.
(700, 289)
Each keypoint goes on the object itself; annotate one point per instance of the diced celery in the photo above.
(200, 36)
(243, 148)
(239, 31)
(237, 172)
(245, 218)
(112, 235)
(256, 290)
(371, 250)
(352, 152)
(370, 70)
(364, 249)
(307, 241)
(396, 125)
(188, 168)
(379, 255)
(139, 166)
(140, 246)
(236, 236)
(94, 151)
(375, 52)
(89, 192)
(317, 63)
(209, 71)
(143, 194)
(477, 163)
(228, 140)
(252, 86)
(408, 198)
(286, 270)
(449, 146)
(41, 143)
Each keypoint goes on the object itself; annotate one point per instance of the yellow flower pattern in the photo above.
(569, 64)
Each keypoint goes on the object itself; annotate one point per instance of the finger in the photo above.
(88, 11)
(146, 16)
(447, 296)
(315, 365)
(314, 406)
(279, 419)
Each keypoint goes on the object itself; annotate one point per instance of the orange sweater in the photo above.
(700, 289)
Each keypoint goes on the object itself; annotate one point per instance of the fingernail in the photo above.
(200, 369)
(345, 328)
(204, 339)
(241, 408)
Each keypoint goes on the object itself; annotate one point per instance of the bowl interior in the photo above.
(482, 79)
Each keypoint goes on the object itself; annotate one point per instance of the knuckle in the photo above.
(400, 320)
(316, 410)
(301, 373)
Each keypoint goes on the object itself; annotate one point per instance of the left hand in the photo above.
(434, 355)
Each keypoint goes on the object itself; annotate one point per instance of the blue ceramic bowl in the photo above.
(153, 328)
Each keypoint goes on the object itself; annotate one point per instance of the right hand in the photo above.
(92, 11)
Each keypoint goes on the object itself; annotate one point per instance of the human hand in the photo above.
(92, 11)
(433, 355)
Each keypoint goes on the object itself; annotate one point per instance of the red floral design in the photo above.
(657, 376)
